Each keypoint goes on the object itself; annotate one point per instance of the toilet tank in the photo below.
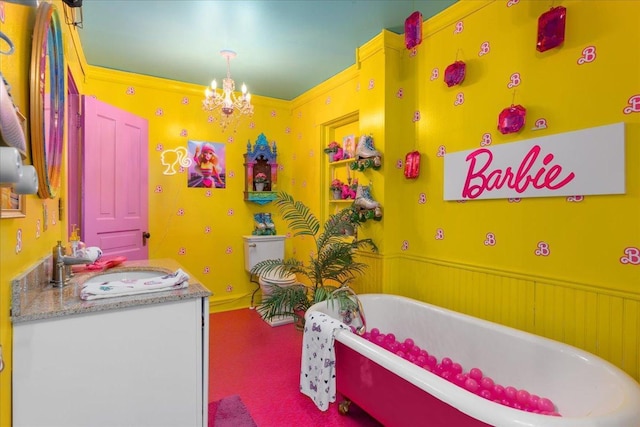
(259, 248)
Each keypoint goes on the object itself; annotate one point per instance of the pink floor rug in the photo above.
(229, 412)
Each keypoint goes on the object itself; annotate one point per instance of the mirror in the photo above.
(47, 99)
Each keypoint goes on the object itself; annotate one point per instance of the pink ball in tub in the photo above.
(487, 383)
(498, 391)
(400, 353)
(476, 374)
(522, 397)
(394, 347)
(390, 337)
(409, 343)
(432, 361)
(375, 332)
(510, 393)
(459, 379)
(471, 385)
(446, 362)
(456, 368)
(533, 401)
(421, 360)
(546, 405)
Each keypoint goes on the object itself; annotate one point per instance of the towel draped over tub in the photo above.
(117, 288)
(317, 373)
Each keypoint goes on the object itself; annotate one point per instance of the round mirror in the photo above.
(47, 99)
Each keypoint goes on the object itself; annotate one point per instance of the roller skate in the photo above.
(365, 206)
(259, 225)
(270, 227)
(366, 155)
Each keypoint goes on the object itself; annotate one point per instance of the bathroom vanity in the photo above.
(136, 360)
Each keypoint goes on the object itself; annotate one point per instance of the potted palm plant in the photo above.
(331, 267)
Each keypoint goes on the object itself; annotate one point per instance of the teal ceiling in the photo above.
(284, 47)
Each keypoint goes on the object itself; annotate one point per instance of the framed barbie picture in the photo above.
(208, 168)
(12, 204)
(349, 146)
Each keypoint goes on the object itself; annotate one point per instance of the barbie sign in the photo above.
(589, 161)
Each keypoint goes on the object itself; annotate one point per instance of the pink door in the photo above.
(114, 180)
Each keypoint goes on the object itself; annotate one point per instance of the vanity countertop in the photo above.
(31, 303)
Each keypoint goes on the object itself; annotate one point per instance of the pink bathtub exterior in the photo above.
(588, 391)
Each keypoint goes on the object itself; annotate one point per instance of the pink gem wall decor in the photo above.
(454, 73)
(412, 165)
(551, 25)
(511, 119)
(413, 30)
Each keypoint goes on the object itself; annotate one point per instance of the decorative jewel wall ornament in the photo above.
(511, 119)
(412, 165)
(413, 30)
(454, 74)
(551, 26)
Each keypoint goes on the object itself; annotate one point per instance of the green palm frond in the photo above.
(333, 262)
(298, 215)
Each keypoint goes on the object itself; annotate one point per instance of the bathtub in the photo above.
(587, 390)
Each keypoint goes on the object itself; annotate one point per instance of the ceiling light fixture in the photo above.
(226, 102)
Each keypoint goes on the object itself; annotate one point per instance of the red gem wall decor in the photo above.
(413, 30)
(412, 165)
(551, 25)
(511, 119)
(454, 73)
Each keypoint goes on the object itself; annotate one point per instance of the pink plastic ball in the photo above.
(432, 361)
(459, 379)
(409, 343)
(375, 332)
(424, 353)
(546, 405)
(415, 350)
(533, 401)
(390, 337)
(487, 383)
(471, 385)
(446, 362)
(523, 397)
(421, 360)
(510, 393)
(400, 353)
(476, 374)
(456, 368)
(498, 391)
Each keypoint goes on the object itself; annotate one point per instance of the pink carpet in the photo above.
(229, 412)
(249, 358)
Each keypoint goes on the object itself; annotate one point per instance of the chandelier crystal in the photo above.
(229, 105)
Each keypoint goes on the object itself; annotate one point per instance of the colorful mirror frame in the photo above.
(47, 108)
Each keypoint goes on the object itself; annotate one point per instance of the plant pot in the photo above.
(259, 186)
(337, 194)
(299, 318)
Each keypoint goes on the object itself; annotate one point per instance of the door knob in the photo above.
(145, 236)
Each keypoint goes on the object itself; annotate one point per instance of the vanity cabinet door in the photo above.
(142, 366)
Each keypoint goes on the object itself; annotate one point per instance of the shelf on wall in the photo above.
(260, 197)
(341, 201)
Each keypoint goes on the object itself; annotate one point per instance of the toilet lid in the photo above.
(275, 277)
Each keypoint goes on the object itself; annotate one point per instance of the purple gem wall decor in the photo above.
(551, 25)
(454, 73)
(413, 30)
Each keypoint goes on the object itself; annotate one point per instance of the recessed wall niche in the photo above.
(260, 171)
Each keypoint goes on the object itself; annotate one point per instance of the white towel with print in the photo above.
(118, 288)
(317, 373)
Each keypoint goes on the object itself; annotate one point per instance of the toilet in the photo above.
(260, 248)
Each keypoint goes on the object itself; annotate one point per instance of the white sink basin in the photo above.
(126, 274)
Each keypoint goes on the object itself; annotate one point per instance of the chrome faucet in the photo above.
(61, 265)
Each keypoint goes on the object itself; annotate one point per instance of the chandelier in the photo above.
(226, 102)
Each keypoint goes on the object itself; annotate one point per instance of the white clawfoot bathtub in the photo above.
(587, 390)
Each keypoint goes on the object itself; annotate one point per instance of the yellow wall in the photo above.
(580, 294)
